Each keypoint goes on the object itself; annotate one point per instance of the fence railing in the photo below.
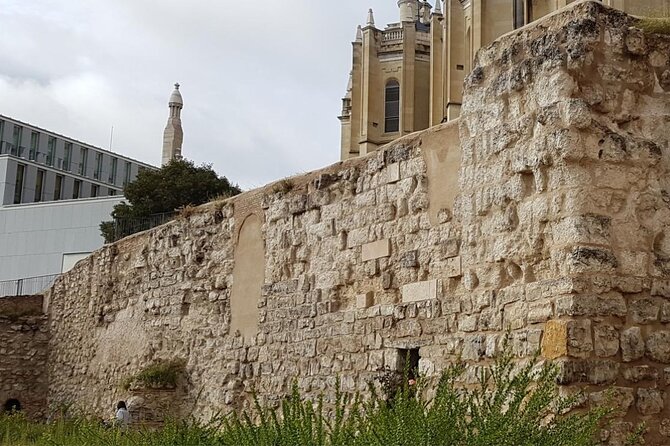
(27, 286)
(124, 227)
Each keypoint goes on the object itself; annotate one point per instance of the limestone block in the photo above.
(365, 300)
(454, 267)
(639, 373)
(644, 311)
(418, 291)
(579, 338)
(606, 340)
(658, 346)
(393, 173)
(649, 401)
(620, 398)
(555, 339)
(632, 344)
(377, 250)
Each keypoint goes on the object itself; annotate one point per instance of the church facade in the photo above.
(409, 76)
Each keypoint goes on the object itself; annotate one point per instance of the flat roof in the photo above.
(76, 141)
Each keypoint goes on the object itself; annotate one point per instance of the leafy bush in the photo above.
(161, 375)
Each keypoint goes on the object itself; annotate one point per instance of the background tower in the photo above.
(173, 137)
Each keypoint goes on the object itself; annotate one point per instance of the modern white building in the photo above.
(39, 165)
(41, 239)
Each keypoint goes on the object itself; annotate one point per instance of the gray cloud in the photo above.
(262, 81)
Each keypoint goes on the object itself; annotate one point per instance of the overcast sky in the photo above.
(261, 81)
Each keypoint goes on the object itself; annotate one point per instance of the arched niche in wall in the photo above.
(248, 278)
(12, 405)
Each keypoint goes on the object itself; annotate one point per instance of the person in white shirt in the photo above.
(122, 415)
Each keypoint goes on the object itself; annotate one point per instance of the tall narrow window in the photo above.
(392, 107)
(112, 173)
(67, 157)
(2, 134)
(76, 189)
(34, 146)
(126, 178)
(95, 190)
(522, 13)
(39, 185)
(58, 187)
(83, 161)
(16, 140)
(51, 151)
(98, 166)
(18, 185)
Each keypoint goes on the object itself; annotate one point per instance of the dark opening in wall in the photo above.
(408, 360)
(12, 405)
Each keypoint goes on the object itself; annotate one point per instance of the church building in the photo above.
(409, 75)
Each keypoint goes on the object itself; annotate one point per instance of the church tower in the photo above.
(388, 91)
(173, 137)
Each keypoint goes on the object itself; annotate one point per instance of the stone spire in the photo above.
(438, 7)
(359, 34)
(173, 136)
(371, 18)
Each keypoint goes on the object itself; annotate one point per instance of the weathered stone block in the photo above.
(632, 344)
(580, 343)
(453, 267)
(365, 300)
(414, 292)
(376, 250)
(555, 339)
(606, 340)
(649, 401)
(658, 346)
(393, 173)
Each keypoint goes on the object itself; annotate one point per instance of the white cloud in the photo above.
(261, 82)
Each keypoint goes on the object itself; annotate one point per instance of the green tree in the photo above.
(177, 184)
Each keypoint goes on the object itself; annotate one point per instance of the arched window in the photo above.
(392, 107)
(12, 405)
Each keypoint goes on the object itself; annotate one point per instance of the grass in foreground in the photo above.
(507, 408)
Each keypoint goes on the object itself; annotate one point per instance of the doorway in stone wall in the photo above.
(12, 405)
(408, 362)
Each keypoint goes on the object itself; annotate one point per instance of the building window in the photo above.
(67, 157)
(126, 178)
(51, 151)
(83, 161)
(98, 166)
(95, 190)
(58, 187)
(16, 141)
(2, 130)
(34, 146)
(523, 13)
(76, 189)
(18, 185)
(392, 107)
(111, 192)
(112, 173)
(39, 185)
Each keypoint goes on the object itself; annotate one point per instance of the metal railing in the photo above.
(27, 286)
(124, 227)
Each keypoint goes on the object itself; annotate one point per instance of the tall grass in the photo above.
(508, 407)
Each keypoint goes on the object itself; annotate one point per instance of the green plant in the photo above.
(283, 186)
(161, 375)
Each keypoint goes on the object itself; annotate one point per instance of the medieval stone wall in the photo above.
(548, 220)
(23, 353)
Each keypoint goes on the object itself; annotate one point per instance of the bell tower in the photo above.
(173, 136)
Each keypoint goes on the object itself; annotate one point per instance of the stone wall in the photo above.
(543, 212)
(23, 349)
